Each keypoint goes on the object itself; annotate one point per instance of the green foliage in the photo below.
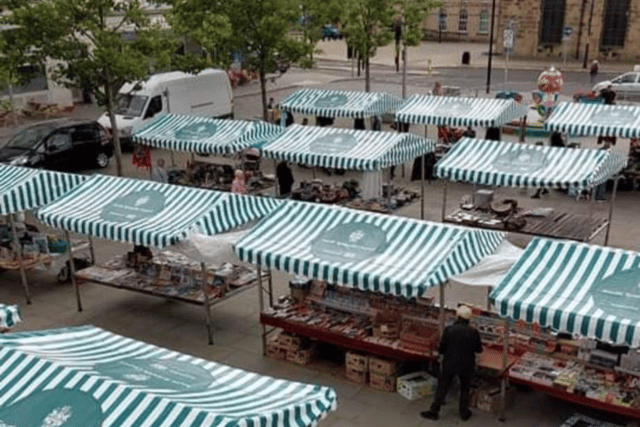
(313, 15)
(368, 23)
(414, 13)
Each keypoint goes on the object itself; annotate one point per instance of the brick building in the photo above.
(460, 20)
(611, 28)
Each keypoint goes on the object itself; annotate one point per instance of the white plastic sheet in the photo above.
(491, 269)
(209, 249)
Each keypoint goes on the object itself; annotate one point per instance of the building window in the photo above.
(483, 22)
(552, 21)
(614, 25)
(442, 21)
(463, 18)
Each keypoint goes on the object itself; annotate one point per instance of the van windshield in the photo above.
(130, 105)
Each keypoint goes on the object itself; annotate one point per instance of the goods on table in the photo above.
(170, 274)
(217, 176)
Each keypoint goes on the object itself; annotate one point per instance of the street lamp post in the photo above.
(586, 46)
(493, 16)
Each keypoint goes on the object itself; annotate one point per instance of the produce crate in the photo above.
(359, 377)
(382, 366)
(416, 385)
(356, 361)
(383, 382)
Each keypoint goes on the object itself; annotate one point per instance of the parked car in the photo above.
(626, 86)
(331, 32)
(61, 144)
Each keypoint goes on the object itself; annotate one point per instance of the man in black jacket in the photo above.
(459, 344)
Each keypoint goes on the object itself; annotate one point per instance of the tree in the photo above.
(314, 14)
(84, 40)
(260, 32)
(411, 15)
(368, 26)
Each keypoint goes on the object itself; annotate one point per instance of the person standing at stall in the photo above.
(159, 173)
(285, 178)
(458, 347)
(239, 184)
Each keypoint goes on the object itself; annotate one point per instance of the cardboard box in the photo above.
(489, 399)
(357, 362)
(383, 382)
(382, 366)
(289, 341)
(416, 385)
(301, 357)
(359, 377)
(274, 351)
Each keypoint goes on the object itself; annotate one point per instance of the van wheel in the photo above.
(102, 160)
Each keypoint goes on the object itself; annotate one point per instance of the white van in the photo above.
(206, 94)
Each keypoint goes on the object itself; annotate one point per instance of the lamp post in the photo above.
(493, 16)
(586, 46)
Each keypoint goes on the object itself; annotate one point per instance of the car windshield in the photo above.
(29, 137)
(130, 105)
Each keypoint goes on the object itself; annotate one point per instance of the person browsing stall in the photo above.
(458, 347)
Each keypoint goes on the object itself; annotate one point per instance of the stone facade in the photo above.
(474, 28)
(526, 17)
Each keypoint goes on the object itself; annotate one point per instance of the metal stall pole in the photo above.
(18, 246)
(424, 170)
(207, 307)
(72, 271)
(503, 382)
(441, 309)
(270, 284)
(261, 303)
(523, 129)
(444, 200)
(275, 170)
(92, 251)
(613, 199)
(489, 289)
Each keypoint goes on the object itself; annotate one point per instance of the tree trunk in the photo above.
(367, 76)
(263, 92)
(114, 127)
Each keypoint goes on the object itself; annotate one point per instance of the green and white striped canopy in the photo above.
(595, 120)
(367, 251)
(150, 213)
(24, 188)
(512, 164)
(454, 111)
(94, 378)
(339, 103)
(574, 287)
(345, 148)
(204, 135)
(9, 316)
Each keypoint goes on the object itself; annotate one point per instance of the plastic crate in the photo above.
(416, 385)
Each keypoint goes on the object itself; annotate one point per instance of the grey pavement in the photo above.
(236, 328)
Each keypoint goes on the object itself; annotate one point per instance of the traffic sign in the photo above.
(507, 38)
(566, 33)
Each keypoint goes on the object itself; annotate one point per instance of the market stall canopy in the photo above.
(454, 111)
(89, 377)
(339, 103)
(203, 135)
(574, 287)
(9, 316)
(367, 251)
(23, 188)
(150, 213)
(503, 163)
(345, 148)
(491, 269)
(595, 120)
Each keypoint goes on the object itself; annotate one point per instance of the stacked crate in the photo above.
(286, 346)
(383, 374)
(357, 366)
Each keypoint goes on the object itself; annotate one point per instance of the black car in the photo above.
(59, 145)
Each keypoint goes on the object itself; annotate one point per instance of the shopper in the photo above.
(437, 89)
(159, 173)
(593, 70)
(285, 178)
(458, 346)
(608, 95)
(239, 184)
(556, 141)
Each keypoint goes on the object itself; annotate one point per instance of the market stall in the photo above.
(585, 291)
(23, 189)
(388, 261)
(129, 382)
(204, 136)
(339, 103)
(151, 214)
(9, 317)
(600, 120)
(507, 164)
(366, 151)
